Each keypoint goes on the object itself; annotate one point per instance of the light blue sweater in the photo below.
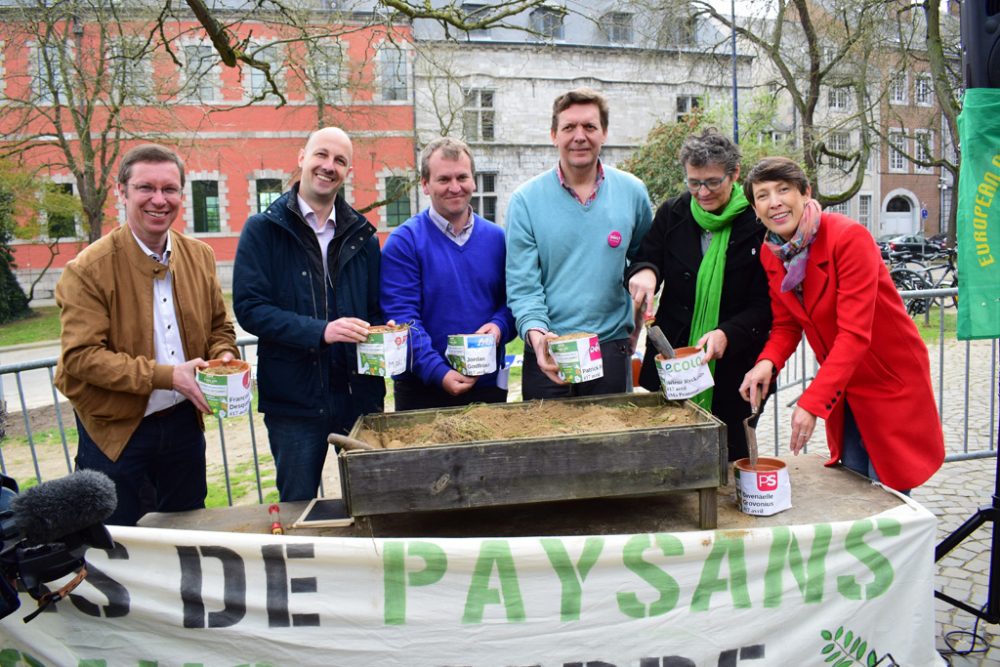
(565, 270)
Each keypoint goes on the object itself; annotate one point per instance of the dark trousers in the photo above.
(419, 396)
(299, 446)
(166, 454)
(617, 361)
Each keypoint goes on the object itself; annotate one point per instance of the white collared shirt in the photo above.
(166, 333)
(324, 232)
(462, 237)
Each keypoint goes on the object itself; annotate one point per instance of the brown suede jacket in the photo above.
(108, 364)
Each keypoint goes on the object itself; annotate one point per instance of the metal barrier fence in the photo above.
(965, 385)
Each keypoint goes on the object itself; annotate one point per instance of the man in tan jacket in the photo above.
(141, 311)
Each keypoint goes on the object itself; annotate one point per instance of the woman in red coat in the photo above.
(827, 279)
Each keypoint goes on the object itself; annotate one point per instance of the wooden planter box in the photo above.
(636, 462)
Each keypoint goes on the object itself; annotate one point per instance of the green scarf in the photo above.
(708, 291)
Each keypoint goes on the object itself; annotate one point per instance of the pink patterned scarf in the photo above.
(794, 253)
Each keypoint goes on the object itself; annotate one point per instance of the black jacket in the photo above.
(280, 295)
(672, 248)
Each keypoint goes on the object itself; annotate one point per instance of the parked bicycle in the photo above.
(908, 280)
(908, 274)
(944, 275)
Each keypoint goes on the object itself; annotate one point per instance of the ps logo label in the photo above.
(767, 481)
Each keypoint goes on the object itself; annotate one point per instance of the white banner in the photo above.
(797, 595)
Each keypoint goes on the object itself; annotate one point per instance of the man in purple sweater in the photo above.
(443, 273)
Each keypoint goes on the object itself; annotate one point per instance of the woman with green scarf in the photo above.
(703, 248)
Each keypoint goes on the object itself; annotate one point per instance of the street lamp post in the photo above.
(736, 96)
(943, 197)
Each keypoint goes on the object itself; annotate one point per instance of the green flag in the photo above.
(978, 226)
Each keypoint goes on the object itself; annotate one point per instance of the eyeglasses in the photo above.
(148, 191)
(713, 184)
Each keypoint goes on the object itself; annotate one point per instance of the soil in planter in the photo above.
(535, 420)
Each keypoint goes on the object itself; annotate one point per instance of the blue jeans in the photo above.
(299, 446)
(854, 454)
(166, 454)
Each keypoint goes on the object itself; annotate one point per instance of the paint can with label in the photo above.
(472, 354)
(764, 489)
(384, 352)
(226, 387)
(684, 375)
(578, 357)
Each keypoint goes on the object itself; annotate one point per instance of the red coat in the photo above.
(868, 348)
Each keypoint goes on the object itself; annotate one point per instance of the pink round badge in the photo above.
(614, 239)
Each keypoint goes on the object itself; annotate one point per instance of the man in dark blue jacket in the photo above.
(306, 283)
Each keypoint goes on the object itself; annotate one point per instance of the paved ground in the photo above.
(954, 495)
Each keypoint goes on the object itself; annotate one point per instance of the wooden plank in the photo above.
(819, 495)
(636, 462)
(708, 509)
(485, 474)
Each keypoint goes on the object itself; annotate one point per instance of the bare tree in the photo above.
(232, 49)
(943, 56)
(814, 48)
(88, 70)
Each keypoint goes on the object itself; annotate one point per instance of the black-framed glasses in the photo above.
(149, 190)
(713, 184)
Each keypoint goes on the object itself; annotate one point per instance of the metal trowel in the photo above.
(751, 433)
(659, 341)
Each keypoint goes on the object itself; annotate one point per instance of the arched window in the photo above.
(898, 205)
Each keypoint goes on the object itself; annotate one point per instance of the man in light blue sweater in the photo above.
(571, 232)
(443, 272)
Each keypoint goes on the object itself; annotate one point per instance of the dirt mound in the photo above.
(533, 420)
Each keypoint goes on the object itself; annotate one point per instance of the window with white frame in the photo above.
(397, 194)
(267, 190)
(923, 90)
(617, 27)
(685, 105)
(678, 31)
(865, 210)
(479, 115)
(484, 199)
(844, 208)
(773, 136)
(839, 98)
(923, 150)
(548, 23)
(897, 149)
(205, 206)
(897, 88)
(200, 77)
(839, 142)
(255, 80)
(61, 225)
(476, 12)
(48, 81)
(131, 70)
(393, 72)
(325, 65)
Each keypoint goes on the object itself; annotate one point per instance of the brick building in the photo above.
(239, 152)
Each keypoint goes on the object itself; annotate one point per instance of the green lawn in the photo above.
(930, 330)
(42, 324)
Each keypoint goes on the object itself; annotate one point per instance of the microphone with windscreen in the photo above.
(55, 510)
(46, 532)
